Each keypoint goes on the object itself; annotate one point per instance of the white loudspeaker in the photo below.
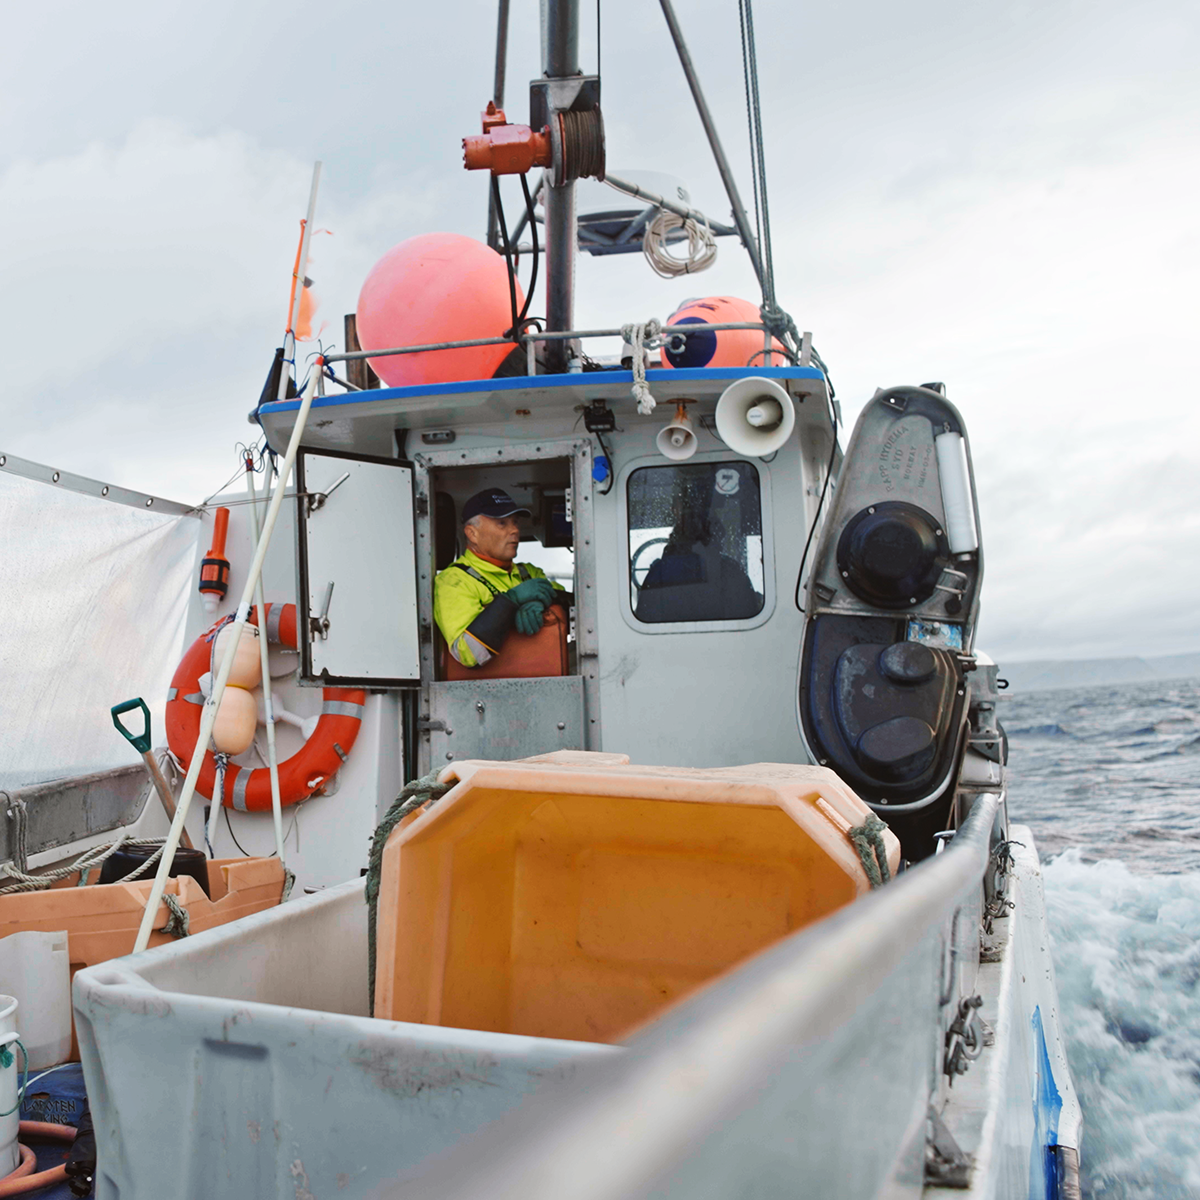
(677, 440)
(755, 416)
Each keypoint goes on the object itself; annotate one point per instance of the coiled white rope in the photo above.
(701, 245)
(642, 336)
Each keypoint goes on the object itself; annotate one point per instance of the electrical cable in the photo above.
(612, 467)
(820, 505)
(533, 274)
(228, 825)
(512, 272)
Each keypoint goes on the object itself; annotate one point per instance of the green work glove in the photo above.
(529, 616)
(541, 590)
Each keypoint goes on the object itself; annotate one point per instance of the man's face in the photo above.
(495, 537)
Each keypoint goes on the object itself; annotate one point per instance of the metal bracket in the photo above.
(317, 500)
(964, 1039)
(320, 625)
(557, 95)
(946, 1165)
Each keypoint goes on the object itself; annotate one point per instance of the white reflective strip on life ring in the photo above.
(274, 616)
(239, 789)
(342, 708)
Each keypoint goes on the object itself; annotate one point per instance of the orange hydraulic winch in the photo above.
(506, 149)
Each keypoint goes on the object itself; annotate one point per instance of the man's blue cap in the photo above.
(492, 503)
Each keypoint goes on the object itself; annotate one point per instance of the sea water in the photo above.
(1109, 780)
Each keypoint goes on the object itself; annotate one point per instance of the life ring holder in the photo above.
(247, 789)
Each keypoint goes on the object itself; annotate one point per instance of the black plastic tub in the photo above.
(187, 862)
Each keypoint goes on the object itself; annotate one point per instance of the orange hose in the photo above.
(24, 1167)
(48, 1129)
(20, 1182)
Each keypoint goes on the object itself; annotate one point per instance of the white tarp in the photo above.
(94, 598)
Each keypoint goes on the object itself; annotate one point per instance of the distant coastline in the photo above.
(1044, 674)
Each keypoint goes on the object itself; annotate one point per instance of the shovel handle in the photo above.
(139, 741)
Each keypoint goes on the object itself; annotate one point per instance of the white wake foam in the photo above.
(1127, 957)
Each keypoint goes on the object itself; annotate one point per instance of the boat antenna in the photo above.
(493, 223)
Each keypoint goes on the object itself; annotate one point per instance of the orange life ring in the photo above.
(299, 776)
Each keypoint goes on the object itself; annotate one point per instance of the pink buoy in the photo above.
(726, 347)
(438, 287)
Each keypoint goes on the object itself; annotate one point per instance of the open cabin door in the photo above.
(356, 557)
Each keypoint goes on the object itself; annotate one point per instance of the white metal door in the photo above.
(357, 563)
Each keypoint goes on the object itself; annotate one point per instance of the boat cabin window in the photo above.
(695, 542)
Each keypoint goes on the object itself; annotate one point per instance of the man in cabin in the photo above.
(481, 597)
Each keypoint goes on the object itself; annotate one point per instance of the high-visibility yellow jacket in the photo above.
(464, 605)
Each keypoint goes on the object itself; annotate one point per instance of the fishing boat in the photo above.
(703, 884)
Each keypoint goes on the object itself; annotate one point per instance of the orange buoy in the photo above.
(237, 720)
(246, 671)
(726, 347)
(438, 287)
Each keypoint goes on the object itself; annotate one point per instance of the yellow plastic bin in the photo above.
(574, 896)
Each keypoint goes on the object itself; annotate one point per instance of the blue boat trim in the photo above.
(518, 383)
(1047, 1107)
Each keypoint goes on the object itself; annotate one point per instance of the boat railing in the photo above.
(807, 1071)
(64, 813)
(674, 336)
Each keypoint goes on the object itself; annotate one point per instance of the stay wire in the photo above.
(757, 150)
(746, 71)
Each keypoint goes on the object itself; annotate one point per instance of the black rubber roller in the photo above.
(891, 554)
(897, 749)
(908, 662)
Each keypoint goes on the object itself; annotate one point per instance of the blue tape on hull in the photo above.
(1047, 1105)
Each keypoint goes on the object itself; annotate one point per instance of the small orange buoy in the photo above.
(725, 347)
(237, 718)
(246, 671)
(439, 287)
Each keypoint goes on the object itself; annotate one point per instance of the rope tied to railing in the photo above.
(89, 859)
(414, 795)
(867, 839)
(642, 336)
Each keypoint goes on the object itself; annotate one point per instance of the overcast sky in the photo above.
(1001, 196)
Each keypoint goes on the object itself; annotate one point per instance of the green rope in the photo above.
(868, 841)
(177, 922)
(7, 1058)
(420, 792)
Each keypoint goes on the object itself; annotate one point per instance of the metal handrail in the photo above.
(630, 1122)
(540, 336)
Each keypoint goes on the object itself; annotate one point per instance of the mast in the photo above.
(560, 60)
